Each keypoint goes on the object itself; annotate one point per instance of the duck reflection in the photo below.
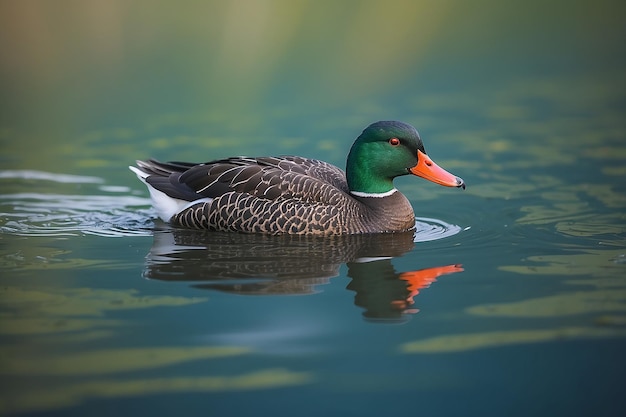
(259, 264)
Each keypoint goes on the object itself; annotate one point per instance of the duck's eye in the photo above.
(394, 141)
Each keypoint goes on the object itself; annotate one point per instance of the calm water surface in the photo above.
(508, 300)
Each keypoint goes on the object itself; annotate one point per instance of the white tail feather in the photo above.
(166, 206)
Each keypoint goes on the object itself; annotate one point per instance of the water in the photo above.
(509, 299)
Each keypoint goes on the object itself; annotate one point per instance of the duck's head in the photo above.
(386, 150)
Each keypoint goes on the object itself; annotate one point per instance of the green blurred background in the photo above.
(91, 85)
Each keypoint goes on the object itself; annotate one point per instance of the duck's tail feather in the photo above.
(169, 197)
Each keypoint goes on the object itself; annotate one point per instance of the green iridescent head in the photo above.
(386, 150)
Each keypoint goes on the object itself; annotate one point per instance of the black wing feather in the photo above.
(264, 177)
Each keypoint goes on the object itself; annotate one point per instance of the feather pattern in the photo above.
(272, 195)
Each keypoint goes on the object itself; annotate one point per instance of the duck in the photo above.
(296, 195)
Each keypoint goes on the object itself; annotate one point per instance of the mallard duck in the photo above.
(296, 195)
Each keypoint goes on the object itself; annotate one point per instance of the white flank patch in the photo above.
(375, 195)
(166, 206)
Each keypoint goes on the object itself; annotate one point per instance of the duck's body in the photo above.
(295, 195)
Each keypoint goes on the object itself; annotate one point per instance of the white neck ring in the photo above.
(374, 195)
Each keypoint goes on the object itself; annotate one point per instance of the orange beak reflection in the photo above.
(417, 280)
(430, 171)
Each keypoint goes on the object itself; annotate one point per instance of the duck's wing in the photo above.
(315, 168)
(268, 178)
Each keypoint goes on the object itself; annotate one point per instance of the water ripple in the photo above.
(26, 174)
(48, 210)
(32, 214)
(427, 229)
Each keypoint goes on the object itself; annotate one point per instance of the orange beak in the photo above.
(429, 170)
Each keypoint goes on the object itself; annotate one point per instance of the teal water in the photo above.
(510, 298)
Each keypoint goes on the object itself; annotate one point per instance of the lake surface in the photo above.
(508, 300)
